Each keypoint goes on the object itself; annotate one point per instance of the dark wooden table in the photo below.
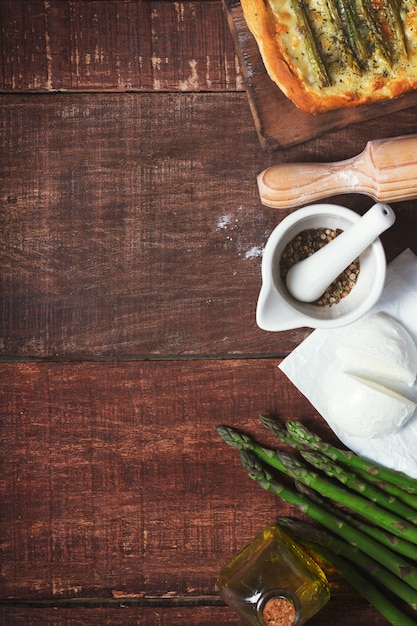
(132, 236)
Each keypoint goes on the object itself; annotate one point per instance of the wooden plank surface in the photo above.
(118, 489)
(131, 224)
(345, 614)
(116, 482)
(106, 45)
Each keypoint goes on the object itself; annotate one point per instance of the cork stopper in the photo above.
(279, 611)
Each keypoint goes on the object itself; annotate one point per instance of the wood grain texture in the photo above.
(105, 45)
(115, 482)
(340, 613)
(131, 224)
(158, 616)
(117, 491)
(127, 225)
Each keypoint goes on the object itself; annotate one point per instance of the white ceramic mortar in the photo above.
(277, 310)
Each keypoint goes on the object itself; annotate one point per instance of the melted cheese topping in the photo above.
(370, 63)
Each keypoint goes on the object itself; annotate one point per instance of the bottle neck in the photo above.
(278, 608)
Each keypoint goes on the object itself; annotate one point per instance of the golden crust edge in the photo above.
(261, 25)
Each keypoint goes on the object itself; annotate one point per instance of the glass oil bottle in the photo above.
(273, 582)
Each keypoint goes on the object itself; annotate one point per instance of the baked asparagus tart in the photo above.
(329, 54)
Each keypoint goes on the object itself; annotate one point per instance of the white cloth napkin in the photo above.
(311, 364)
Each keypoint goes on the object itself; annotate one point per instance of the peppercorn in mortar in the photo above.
(306, 243)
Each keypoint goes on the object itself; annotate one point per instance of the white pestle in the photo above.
(309, 279)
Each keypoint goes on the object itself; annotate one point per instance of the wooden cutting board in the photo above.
(279, 123)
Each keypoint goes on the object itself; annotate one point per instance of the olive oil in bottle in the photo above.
(273, 582)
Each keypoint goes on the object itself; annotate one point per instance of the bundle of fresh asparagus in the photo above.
(367, 512)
